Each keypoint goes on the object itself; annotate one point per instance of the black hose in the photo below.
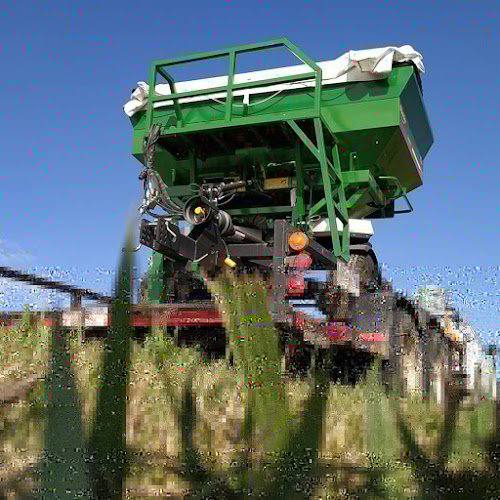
(225, 202)
(149, 146)
(234, 185)
(163, 191)
(148, 150)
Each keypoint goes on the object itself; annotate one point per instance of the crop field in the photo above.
(121, 418)
(204, 429)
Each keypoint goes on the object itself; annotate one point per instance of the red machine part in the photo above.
(296, 284)
(141, 317)
(298, 264)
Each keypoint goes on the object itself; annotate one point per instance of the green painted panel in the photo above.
(364, 118)
(363, 115)
(292, 101)
(416, 114)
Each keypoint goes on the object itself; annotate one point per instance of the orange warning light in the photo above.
(298, 241)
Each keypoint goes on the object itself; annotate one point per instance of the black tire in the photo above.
(334, 301)
(366, 267)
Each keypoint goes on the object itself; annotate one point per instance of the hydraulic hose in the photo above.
(151, 176)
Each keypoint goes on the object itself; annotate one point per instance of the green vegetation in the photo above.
(152, 416)
(202, 427)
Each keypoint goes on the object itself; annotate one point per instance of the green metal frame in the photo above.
(158, 68)
(330, 170)
(351, 183)
(333, 185)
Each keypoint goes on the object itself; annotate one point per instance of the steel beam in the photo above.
(320, 253)
(76, 302)
(259, 210)
(33, 279)
(250, 250)
(280, 248)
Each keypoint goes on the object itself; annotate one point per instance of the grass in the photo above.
(219, 431)
(23, 352)
(359, 446)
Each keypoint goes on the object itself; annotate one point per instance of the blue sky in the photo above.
(68, 180)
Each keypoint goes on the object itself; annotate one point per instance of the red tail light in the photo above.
(296, 284)
(301, 261)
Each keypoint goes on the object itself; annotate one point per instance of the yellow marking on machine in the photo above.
(277, 183)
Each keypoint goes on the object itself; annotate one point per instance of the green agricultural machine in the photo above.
(277, 170)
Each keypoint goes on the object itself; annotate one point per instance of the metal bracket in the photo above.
(195, 261)
(402, 190)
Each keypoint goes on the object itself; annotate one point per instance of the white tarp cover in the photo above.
(353, 66)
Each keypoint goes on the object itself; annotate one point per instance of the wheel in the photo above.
(334, 300)
(185, 286)
(365, 265)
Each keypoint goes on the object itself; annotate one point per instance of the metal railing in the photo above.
(158, 68)
(76, 293)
